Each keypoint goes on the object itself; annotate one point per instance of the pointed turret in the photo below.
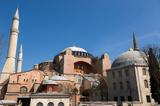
(9, 66)
(19, 60)
(135, 45)
(16, 16)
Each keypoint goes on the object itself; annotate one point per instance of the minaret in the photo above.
(19, 60)
(9, 66)
(135, 45)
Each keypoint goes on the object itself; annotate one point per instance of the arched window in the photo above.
(121, 85)
(23, 89)
(39, 104)
(144, 71)
(128, 85)
(114, 86)
(146, 83)
(60, 104)
(50, 104)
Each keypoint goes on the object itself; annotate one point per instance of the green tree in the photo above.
(153, 54)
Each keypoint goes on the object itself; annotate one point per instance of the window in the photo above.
(127, 72)
(115, 98)
(50, 104)
(113, 75)
(23, 89)
(128, 84)
(122, 98)
(144, 71)
(39, 104)
(114, 86)
(60, 104)
(148, 98)
(121, 85)
(129, 98)
(146, 83)
(120, 73)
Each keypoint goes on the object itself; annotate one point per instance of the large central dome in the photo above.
(130, 57)
(74, 48)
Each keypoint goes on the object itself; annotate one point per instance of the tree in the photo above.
(153, 54)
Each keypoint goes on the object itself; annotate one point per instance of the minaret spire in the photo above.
(19, 60)
(16, 16)
(135, 45)
(9, 66)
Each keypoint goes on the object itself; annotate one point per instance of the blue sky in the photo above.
(99, 26)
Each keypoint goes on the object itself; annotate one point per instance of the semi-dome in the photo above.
(130, 57)
(74, 48)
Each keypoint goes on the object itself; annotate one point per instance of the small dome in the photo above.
(130, 57)
(74, 48)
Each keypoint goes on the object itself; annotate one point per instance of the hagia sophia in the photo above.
(75, 77)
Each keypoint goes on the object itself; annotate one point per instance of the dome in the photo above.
(74, 48)
(130, 57)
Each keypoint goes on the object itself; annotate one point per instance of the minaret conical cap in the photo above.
(16, 16)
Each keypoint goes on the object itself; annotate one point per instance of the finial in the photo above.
(16, 16)
(135, 45)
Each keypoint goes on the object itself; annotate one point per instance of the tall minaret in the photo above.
(135, 45)
(9, 66)
(19, 60)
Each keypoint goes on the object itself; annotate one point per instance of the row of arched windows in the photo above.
(126, 72)
(50, 104)
(77, 53)
(121, 85)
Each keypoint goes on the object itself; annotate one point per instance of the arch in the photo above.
(50, 104)
(23, 89)
(146, 84)
(83, 67)
(39, 104)
(60, 104)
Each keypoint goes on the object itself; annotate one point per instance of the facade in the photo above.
(129, 79)
(76, 77)
(45, 99)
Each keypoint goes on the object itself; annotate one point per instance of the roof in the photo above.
(130, 57)
(58, 78)
(2, 102)
(49, 82)
(74, 48)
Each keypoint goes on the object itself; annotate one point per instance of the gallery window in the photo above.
(23, 89)
(127, 72)
(128, 85)
(113, 75)
(120, 73)
(146, 83)
(122, 98)
(144, 71)
(114, 86)
(39, 104)
(129, 98)
(50, 104)
(148, 98)
(121, 85)
(115, 98)
(60, 104)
